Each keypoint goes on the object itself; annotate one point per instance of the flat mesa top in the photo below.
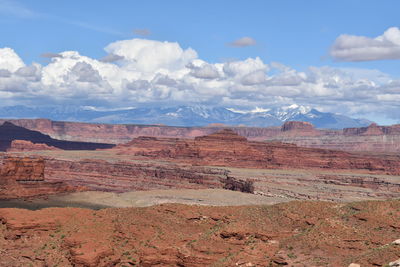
(223, 135)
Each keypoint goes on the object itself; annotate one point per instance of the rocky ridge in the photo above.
(9, 133)
(373, 138)
(24, 145)
(226, 148)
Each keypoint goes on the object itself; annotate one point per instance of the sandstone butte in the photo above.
(226, 148)
(373, 138)
(301, 233)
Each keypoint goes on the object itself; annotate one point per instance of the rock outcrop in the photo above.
(372, 139)
(131, 176)
(297, 233)
(10, 132)
(219, 160)
(300, 128)
(373, 129)
(226, 148)
(122, 133)
(23, 145)
(24, 177)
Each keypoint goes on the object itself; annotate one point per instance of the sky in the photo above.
(336, 56)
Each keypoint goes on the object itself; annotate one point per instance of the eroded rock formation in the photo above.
(24, 177)
(226, 148)
(299, 128)
(221, 160)
(23, 145)
(10, 132)
(128, 176)
(373, 138)
(297, 233)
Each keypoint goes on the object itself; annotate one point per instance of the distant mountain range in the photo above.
(187, 116)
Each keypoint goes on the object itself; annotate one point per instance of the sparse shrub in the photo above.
(239, 185)
(291, 256)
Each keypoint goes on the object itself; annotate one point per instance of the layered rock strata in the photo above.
(129, 176)
(373, 138)
(10, 132)
(226, 148)
(24, 177)
(224, 160)
(23, 145)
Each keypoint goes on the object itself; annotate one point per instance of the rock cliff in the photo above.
(24, 177)
(10, 132)
(23, 145)
(130, 176)
(373, 138)
(299, 128)
(373, 129)
(219, 160)
(226, 148)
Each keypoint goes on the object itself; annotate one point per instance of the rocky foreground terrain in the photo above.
(373, 138)
(288, 234)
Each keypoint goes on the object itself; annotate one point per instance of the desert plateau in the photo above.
(213, 200)
(213, 133)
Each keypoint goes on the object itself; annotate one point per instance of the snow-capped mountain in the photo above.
(188, 115)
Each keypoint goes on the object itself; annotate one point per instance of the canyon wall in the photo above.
(219, 160)
(22, 177)
(131, 176)
(371, 139)
(10, 132)
(122, 133)
(226, 148)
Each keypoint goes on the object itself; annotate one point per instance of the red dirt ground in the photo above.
(293, 234)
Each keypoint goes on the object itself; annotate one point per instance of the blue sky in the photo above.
(297, 34)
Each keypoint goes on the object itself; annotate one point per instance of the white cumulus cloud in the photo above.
(361, 48)
(9, 60)
(149, 56)
(142, 72)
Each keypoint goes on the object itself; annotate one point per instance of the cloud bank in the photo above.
(141, 72)
(361, 48)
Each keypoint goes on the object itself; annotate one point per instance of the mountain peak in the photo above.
(189, 115)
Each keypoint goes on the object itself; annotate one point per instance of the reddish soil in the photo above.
(292, 234)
